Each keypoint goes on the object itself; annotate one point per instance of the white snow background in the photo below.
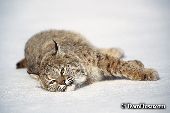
(140, 27)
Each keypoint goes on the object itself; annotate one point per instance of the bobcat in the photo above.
(64, 61)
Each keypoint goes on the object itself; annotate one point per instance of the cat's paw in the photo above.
(69, 80)
(61, 88)
(151, 74)
(52, 85)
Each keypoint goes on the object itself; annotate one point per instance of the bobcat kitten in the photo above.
(65, 61)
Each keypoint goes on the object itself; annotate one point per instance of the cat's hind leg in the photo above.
(136, 62)
(114, 52)
(133, 70)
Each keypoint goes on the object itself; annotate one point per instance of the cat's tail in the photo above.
(21, 64)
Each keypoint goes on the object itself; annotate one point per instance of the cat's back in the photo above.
(42, 43)
(65, 39)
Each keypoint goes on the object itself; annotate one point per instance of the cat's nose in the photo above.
(61, 80)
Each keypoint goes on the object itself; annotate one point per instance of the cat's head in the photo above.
(60, 70)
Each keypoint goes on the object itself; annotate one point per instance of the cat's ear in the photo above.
(56, 48)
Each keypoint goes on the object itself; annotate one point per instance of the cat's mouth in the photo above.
(65, 80)
(62, 84)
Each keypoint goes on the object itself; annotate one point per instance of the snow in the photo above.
(140, 27)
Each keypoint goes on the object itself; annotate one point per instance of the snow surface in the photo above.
(140, 27)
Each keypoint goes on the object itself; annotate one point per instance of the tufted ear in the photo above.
(56, 48)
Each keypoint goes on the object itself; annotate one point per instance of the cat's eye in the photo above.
(68, 65)
(52, 81)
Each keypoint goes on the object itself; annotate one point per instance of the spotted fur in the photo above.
(64, 61)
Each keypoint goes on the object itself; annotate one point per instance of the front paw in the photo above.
(52, 85)
(69, 81)
(61, 88)
(151, 74)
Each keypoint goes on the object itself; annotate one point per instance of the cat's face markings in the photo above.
(62, 76)
(53, 86)
(61, 70)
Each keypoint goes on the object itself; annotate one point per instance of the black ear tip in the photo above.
(54, 41)
(56, 46)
